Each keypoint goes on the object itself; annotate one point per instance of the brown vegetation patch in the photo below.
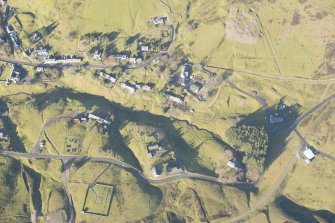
(296, 19)
(320, 15)
(242, 26)
(328, 66)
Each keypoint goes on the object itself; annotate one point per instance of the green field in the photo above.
(98, 199)
(72, 144)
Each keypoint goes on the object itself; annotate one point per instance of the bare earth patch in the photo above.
(242, 26)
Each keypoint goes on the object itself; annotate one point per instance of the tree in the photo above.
(252, 141)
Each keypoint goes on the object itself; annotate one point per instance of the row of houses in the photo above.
(125, 58)
(13, 36)
(132, 88)
(64, 60)
(110, 77)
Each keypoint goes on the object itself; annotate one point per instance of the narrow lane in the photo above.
(127, 167)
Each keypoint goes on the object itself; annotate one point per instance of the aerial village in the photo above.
(189, 80)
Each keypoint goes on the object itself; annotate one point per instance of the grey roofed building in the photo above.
(144, 48)
(151, 153)
(276, 119)
(3, 136)
(121, 57)
(234, 164)
(132, 60)
(173, 165)
(15, 76)
(98, 119)
(157, 170)
(159, 20)
(100, 73)
(42, 52)
(110, 77)
(129, 87)
(97, 55)
(174, 98)
(196, 87)
(146, 87)
(39, 69)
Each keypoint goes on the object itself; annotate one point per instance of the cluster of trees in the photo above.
(251, 140)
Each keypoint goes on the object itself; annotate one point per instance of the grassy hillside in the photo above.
(14, 197)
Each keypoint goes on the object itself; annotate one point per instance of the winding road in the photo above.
(269, 194)
(51, 120)
(127, 167)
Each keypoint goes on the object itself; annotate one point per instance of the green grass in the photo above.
(14, 197)
(98, 199)
(129, 192)
(72, 144)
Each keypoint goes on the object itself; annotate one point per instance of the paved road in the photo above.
(127, 167)
(311, 110)
(317, 152)
(269, 195)
(325, 155)
(266, 198)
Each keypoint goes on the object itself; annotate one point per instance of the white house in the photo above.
(121, 57)
(145, 48)
(15, 76)
(174, 98)
(146, 87)
(159, 20)
(97, 55)
(309, 154)
(98, 119)
(39, 69)
(233, 164)
(110, 78)
(42, 52)
(129, 87)
(276, 119)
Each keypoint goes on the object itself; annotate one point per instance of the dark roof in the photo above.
(172, 164)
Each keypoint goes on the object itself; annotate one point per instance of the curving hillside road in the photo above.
(46, 124)
(136, 172)
(311, 110)
(268, 196)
